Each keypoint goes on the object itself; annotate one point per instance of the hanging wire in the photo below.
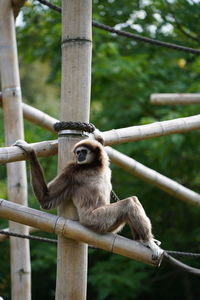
(178, 264)
(180, 253)
(167, 257)
(27, 236)
(131, 35)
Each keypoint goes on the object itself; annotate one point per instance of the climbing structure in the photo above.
(75, 103)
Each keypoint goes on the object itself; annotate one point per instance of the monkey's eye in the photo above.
(82, 152)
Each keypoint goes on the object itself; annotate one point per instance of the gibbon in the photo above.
(87, 182)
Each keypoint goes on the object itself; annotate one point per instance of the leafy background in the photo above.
(124, 75)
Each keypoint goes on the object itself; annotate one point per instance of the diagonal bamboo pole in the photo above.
(74, 230)
(175, 99)
(13, 121)
(162, 182)
(37, 117)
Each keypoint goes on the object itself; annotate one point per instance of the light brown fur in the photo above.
(89, 187)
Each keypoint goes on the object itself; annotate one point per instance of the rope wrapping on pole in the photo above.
(87, 127)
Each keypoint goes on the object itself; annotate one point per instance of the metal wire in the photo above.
(131, 35)
(180, 253)
(30, 237)
(168, 257)
(181, 265)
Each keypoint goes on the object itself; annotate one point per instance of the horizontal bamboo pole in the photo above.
(74, 230)
(175, 99)
(123, 135)
(44, 149)
(143, 132)
(13, 153)
(164, 183)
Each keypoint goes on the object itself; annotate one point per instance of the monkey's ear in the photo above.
(99, 136)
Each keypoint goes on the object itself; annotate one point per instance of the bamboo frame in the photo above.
(175, 99)
(74, 230)
(13, 121)
(162, 182)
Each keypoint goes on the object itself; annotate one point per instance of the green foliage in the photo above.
(117, 276)
(124, 75)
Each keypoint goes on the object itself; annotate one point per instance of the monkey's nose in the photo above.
(81, 157)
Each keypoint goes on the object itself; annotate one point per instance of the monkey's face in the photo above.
(84, 155)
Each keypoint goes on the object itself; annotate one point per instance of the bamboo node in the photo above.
(15, 91)
(76, 40)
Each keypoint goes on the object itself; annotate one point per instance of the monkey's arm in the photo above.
(51, 195)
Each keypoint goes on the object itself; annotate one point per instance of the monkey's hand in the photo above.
(154, 246)
(24, 146)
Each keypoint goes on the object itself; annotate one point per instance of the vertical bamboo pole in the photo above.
(13, 122)
(75, 103)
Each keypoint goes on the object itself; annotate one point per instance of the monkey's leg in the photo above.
(109, 217)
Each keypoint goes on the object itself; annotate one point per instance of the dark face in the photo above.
(84, 155)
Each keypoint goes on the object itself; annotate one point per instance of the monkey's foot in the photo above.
(157, 242)
(23, 145)
(153, 245)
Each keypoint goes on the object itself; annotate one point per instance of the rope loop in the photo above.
(82, 126)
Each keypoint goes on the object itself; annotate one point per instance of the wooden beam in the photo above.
(74, 230)
(13, 124)
(175, 99)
